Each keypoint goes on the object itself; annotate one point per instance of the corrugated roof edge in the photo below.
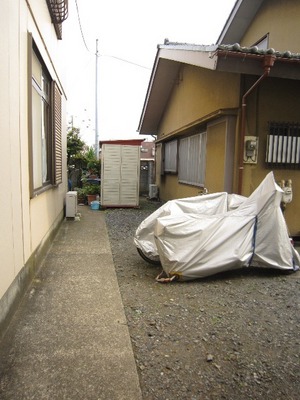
(236, 47)
(186, 46)
(255, 50)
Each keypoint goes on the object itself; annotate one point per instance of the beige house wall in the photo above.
(26, 223)
(274, 100)
(198, 95)
(215, 157)
(171, 189)
(280, 19)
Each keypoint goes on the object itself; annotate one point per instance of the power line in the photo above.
(82, 35)
(129, 62)
(117, 58)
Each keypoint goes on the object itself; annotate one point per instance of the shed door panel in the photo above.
(110, 175)
(120, 175)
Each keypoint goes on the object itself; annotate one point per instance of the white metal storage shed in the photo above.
(120, 174)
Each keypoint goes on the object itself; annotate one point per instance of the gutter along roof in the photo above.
(226, 58)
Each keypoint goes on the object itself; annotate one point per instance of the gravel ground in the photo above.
(231, 336)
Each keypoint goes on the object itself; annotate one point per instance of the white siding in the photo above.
(25, 223)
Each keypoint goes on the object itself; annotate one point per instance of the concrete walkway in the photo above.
(69, 338)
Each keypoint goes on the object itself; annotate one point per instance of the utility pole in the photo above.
(96, 106)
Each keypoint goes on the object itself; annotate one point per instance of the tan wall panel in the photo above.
(265, 104)
(215, 157)
(199, 92)
(171, 189)
(281, 19)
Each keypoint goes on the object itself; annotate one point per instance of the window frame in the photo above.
(283, 145)
(50, 121)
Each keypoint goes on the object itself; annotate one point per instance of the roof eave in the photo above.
(238, 21)
(224, 58)
(168, 61)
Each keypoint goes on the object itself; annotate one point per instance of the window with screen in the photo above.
(192, 157)
(170, 161)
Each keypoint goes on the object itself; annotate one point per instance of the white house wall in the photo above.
(11, 244)
(25, 223)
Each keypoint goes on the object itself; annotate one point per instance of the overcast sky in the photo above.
(128, 33)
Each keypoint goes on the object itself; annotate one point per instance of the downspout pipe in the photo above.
(268, 63)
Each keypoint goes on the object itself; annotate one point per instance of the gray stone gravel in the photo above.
(232, 336)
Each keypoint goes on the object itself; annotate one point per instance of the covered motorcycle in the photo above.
(204, 235)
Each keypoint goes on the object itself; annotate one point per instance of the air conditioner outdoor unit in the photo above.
(71, 204)
(153, 192)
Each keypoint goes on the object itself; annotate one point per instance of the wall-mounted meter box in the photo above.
(250, 149)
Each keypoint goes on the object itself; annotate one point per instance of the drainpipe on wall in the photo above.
(267, 64)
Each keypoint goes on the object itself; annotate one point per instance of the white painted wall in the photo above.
(24, 223)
